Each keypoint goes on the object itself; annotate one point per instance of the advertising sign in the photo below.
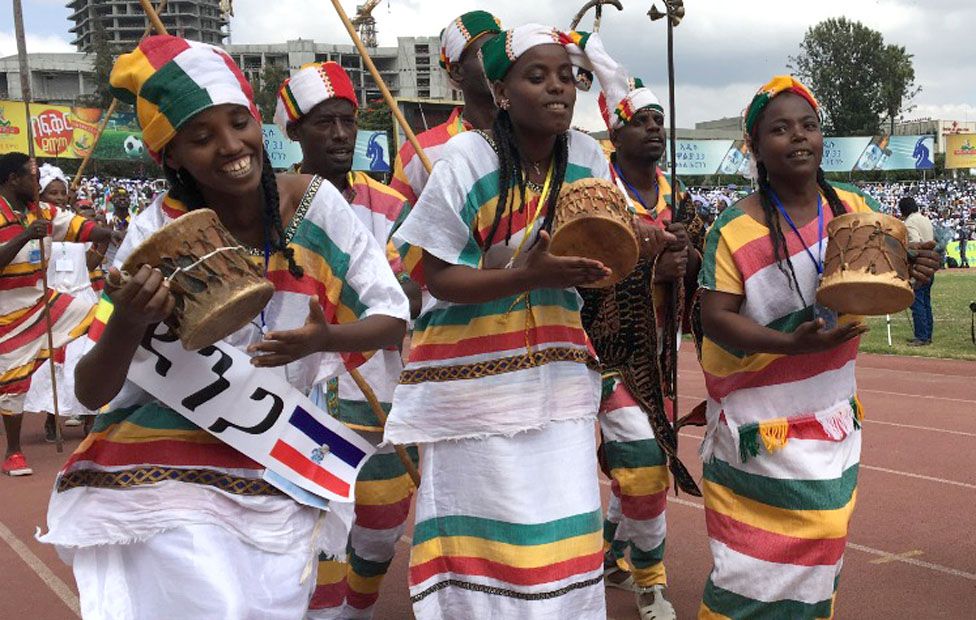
(961, 150)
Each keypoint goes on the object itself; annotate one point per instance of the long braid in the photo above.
(780, 252)
(184, 188)
(272, 212)
(510, 174)
(836, 205)
(561, 153)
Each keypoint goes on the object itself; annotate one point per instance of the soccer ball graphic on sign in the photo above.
(133, 146)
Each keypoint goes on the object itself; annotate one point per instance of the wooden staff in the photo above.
(381, 416)
(364, 387)
(115, 102)
(599, 13)
(387, 96)
(25, 88)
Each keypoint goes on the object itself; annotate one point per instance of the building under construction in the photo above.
(124, 21)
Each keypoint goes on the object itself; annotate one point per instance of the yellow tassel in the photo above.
(858, 409)
(774, 434)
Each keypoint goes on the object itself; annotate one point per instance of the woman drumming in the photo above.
(159, 518)
(783, 443)
(498, 387)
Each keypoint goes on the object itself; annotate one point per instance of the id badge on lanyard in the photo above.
(819, 310)
(34, 251)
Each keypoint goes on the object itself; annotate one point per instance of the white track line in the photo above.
(919, 563)
(922, 428)
(60, 588)
(927, 396)
(964, 485)
(892, 557)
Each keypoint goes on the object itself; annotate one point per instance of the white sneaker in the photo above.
(73, 421)
(659, 608)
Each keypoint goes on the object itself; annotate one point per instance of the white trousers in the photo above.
(197, 572)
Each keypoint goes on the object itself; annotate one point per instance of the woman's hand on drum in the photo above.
(545, 270)
(653, 240)
(143, 299)
(280, 348)
(811, 337)
(924, 261)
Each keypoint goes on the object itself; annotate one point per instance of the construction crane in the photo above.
(365, 23)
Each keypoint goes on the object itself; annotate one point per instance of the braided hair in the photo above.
(511, 176)
(184, 188)
(780, 253)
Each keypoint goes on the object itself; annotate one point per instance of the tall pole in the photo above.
(25, 88)
(378, 79)
(674, 13)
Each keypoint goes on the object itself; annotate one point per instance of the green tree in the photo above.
(843, 62)
(897, 83)
(103, 58)
(266, 90)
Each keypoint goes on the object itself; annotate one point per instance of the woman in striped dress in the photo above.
(499, 387)
(783, 443)
(159, 518)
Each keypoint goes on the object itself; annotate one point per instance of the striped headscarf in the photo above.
(499, 54)
(313, 84)
(169, 80)
(462, 31)
(777, 86)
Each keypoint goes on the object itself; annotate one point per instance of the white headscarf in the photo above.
(51, 173)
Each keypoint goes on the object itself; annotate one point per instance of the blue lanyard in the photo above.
(820, 228)
(633, 190)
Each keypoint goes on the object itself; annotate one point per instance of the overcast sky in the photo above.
(724, 50)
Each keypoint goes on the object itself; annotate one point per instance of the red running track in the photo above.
(911, 553)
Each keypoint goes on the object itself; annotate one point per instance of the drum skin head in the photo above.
(602, 239)
(218, 296)
(593, 221)
(866, 268)
(224, 320)
(866, 298)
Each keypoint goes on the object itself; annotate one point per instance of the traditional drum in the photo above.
(217, 289)
(866, 265)
(592, 221)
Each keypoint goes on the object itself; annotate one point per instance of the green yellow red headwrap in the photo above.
(170, 79)
(499, 54)
(462, 31)
(777, 86)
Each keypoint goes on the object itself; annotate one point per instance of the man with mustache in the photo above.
(317, 108)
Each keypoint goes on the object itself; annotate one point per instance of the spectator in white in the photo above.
(919, 231)
(67, 273)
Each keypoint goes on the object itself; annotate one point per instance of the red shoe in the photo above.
(16, 465)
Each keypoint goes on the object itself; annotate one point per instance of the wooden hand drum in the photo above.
(218, 290)
(866, 265)
(592, 221)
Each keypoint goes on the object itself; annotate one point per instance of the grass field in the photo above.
(953, 291)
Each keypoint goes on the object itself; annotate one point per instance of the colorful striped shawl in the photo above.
(343, 267)
(767, 391)
(409, 174)
(20, 280)
(505, 365)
